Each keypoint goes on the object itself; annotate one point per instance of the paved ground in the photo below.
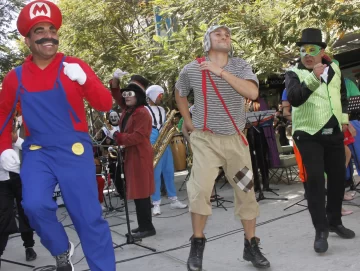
(286, 239)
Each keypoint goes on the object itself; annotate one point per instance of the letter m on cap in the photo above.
(40, 9)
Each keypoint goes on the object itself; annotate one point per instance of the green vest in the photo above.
(322, 104)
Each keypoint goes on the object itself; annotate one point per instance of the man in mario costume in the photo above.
(57, 149)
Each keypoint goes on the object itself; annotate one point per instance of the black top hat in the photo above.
(311, 36)
(133, 86)
(140, 79)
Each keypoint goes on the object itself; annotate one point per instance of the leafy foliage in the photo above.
(112, 34)
(9, 56)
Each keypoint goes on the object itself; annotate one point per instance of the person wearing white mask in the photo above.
(10, 189)
(165, 165)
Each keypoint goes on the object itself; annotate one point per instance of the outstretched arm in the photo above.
(93, 89)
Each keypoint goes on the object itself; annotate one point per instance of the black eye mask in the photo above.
(44, 40)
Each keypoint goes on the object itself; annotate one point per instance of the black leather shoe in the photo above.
(144, 234)
(135, 239)
(195, 259)
(321, 244)
(253, 254)
(30, 254)
(342, 231)
(135, 230)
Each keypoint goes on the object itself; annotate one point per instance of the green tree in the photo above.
(111, 34)
(9, 55)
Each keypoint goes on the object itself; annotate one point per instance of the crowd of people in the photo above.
(44, 96)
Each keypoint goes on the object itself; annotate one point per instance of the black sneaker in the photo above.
(30, 254)
(63, 261)
(195, 259)
(253, 254)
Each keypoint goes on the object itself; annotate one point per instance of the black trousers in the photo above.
(259, 151)
(9, 191)
(115, 173)
(323, 153)
(143, 213)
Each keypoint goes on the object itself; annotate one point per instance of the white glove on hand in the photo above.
(119, 73)
(10, 161)
(75, 72)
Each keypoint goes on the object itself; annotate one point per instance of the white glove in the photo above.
(10, 161)
(119, 73)
(75, 72)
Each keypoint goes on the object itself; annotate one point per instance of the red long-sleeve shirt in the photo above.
(34, 79)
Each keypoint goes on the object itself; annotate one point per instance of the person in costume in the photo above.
(317, 94)
(57, 150)
(135, 127)
(109, 130)
(216, 138)
(10, 190)
(165, 165)
(348, 139)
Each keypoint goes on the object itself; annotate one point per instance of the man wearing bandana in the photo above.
(57, 149)
(165, 165)
(221, 83)
(317, 93)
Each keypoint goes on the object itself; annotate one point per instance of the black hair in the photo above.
(139, 94)
(140, 98)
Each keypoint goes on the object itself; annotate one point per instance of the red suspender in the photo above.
(204, 91)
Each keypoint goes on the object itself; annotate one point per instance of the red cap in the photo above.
(38, 12)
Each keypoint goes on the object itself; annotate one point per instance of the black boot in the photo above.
(321, 244)
(194, 262)
(253, 254)
(30, 254)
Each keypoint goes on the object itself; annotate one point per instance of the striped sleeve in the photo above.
(183, 83)
(245, 71)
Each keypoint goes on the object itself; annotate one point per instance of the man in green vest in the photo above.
(317, 93)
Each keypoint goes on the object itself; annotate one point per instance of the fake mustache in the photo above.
(44, 40)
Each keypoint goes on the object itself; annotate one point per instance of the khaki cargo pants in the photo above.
(210, 152)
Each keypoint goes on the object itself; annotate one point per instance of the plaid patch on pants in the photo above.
(210, 152)
(244, 179)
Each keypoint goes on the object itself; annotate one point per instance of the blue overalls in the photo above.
(166, 167)
(56, 153)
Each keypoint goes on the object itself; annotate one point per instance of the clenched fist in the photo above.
(75, 72)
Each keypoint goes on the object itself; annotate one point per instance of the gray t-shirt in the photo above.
(218, 120)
